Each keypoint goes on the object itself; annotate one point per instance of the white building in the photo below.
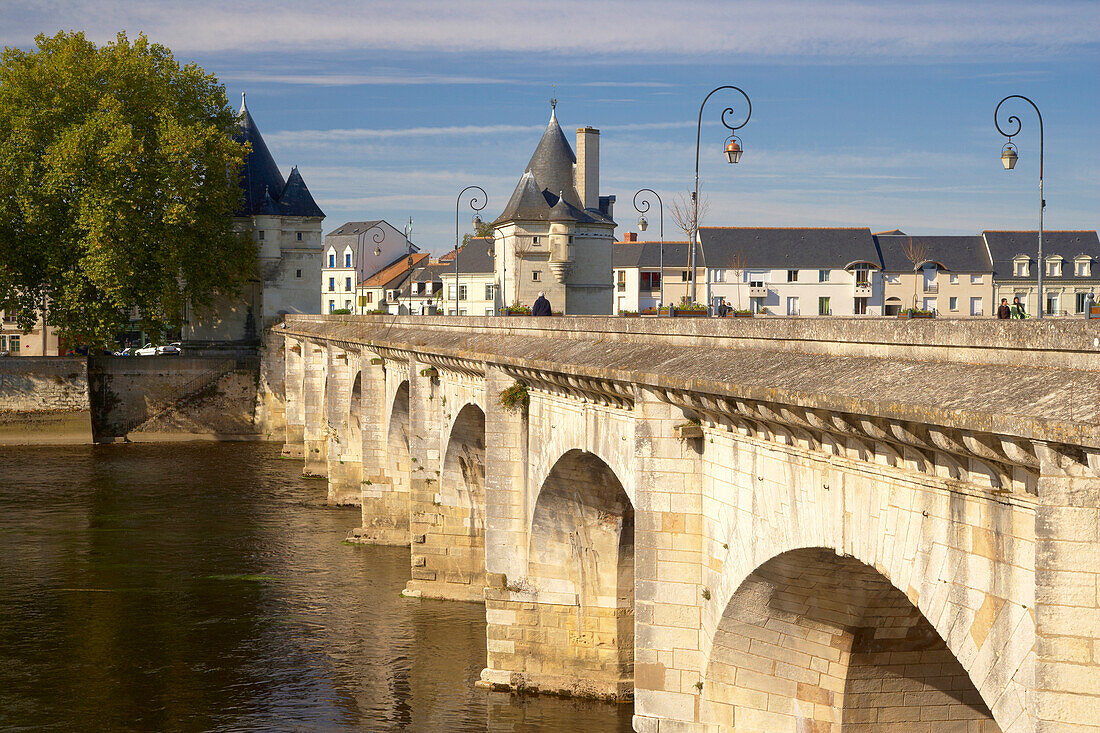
(950, 276)
(476, 290)
(286, 224)
(353, 252)
(1071, 262)
(556, 232)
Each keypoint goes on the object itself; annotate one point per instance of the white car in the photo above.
(147, 350)
(169, 349)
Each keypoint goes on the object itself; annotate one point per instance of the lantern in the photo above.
(1009, 156)
(643, 223)
(733, 150)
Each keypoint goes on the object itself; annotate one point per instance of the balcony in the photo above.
(861, 290)
(758, 290)
(931, 288)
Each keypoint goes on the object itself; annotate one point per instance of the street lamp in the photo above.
(733, 155)
(642, 207)
(1009, 156)
(474, 200)
(379, 237)
(408, 228)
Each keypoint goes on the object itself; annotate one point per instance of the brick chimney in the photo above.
(630, 237)
(587, 173)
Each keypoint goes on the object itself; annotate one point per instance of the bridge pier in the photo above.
(385, 461)
(344, 435)
(295, 419)
(314, 433)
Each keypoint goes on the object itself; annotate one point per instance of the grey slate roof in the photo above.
(953, 253)
(548, 178)
(355, 227)
(259, 171)
(473, 258)
(787, 247)
(265, 191)
(648, 255)
(296, 200)
(1006, 245)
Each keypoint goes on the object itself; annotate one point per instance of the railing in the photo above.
(861, 290)
(758, 291)
(931, 287)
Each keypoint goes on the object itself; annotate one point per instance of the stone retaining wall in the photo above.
(44, 400)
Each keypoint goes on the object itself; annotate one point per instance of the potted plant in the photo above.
(516, 309)
(651, 311)
(690, 310)
(915, 313)
(628, 313)
(740, 313)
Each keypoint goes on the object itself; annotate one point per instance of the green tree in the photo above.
(118, 182)
(484, 229)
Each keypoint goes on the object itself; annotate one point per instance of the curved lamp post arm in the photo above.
(378, 237)
(1014, 120)
(642, 206)
(695, 192)
(474, 204)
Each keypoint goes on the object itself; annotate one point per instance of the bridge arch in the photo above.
(398, 455)
(580, 572)
(352, 444)
(812, 640)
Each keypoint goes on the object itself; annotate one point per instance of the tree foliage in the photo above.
(481, 231)
(118, 182)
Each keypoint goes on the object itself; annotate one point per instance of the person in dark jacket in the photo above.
(1004, 312)
(1018, 312)
(541, 306)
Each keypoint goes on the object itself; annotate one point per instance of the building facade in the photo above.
(286, 224)
(353, 252)
(951, 276)
(1071, 272)
(556, 232)
(475, 293)
(382, 291)
(41, 340)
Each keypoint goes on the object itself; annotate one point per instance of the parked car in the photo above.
(147, 350)
(169, 349)
(128, 351)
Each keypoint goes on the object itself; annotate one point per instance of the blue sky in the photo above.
(875, 114)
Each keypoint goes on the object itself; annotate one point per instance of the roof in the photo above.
(351, 228)
(385, 277)
(296, 200)
(473, 258)
(648, 254)
(953, 253)
(1005, 245)
(547, 179)
(265, 191)
(787, 247)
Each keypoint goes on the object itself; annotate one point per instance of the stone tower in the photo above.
(285, 222)
(556, 233)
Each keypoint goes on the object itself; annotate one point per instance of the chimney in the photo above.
(587, 175)
(630, 237)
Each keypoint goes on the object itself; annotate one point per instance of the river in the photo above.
(206, 587)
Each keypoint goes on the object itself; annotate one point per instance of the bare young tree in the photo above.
(682, 212)
(916, 253)
(738, 264)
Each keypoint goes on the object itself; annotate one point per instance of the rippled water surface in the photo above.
(204, 586)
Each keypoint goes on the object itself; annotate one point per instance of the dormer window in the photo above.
(1083, 267)
(347, 259)
(1021, 267)
(1054, 267)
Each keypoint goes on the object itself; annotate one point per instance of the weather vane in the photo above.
(553, 96)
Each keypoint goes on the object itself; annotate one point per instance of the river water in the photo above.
(205, 586)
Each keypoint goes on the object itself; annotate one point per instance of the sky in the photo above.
(871, 114)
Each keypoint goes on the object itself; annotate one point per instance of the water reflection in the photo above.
(205, 587)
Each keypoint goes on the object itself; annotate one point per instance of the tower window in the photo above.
(299, 236)
(536, 275)
(298, 274)
(261, 235)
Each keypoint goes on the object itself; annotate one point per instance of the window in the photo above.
(534, 240)
(1052, 304)
(1054, 267)
(570, 239)
(1020, 268)
(331, 306)
(488, 311)
(975, 306)
(822, 305)
(536, 276)
(331, 259)
(299, 236)
(462, 296)
(347, 304)
(685, 276)
(756, 283)
(1083, 268)
(822, 276)
(489, 292)
(860, 306)
(893, 279)
(953, 303)
(792, 306)
(331, 284)
(347, 284)
(954, 281)
(14, 345)
(298, 274)
(620, 281)
(370, 297)
(260, 235)
(976, 280)
(863, 275)
(347, 259)
(792, 276)
(718, 276)
(651, 280)
(1080, 302)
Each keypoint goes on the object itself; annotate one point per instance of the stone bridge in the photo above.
(752, 525)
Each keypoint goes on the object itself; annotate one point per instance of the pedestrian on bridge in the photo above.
(541, 306)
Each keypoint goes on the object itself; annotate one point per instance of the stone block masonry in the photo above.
(778, 525)
(44, 400)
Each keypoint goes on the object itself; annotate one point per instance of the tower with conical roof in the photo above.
(285, 221)
(556, 232)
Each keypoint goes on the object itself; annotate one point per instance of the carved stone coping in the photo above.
(587, 389)
(455, 365)
(826, 431)
(397, 355)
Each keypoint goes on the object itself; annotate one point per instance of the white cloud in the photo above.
(630, 29)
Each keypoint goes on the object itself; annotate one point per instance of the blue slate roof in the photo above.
(265, 191)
